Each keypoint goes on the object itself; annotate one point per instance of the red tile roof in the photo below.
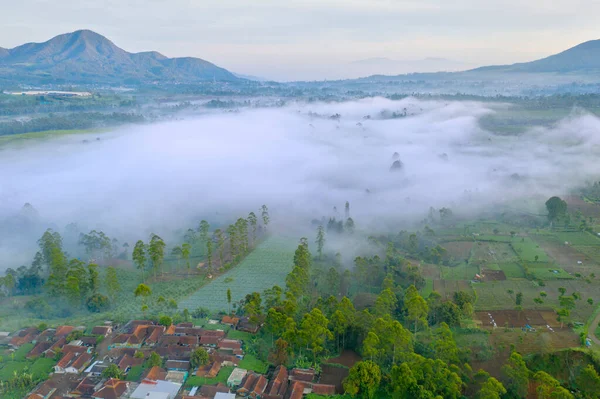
(66, 359)
(81, 361)
(101, 330)
(85, 387)
(296, 390)
(211, 390)
(156, 373)
(323, 389)
(303, 374)
(248, 384)
(260, 386)
(112, 389)
(209, 340)
(229, 344)
(38, 349)
(63, 331)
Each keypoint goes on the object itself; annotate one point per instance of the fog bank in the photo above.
(298, 160)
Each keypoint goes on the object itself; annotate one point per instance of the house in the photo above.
(86, 387)
(155, 374)
(230, 321)
(226, 359)
(230, 345)
(96, 369)
(38, 350)
(73, 363)
(306, 375)
(24, 336)
(323, 389)
(211, 391)
(236, 377)
(55, 348)
(112, 389)
(126, 362)
(156, 389)
(296, 390)
(248, 385)
(43, 391)
(210, 370)
(245, 325)
(63, 331)
(103, 331)
(155, 333)
(210, 341)
(259, 387)
(177, 365)
(278, 386)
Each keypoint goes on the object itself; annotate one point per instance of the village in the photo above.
(143, 359)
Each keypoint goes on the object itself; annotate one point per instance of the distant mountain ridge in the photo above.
(85, 56)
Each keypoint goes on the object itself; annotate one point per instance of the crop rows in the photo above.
(266, 266)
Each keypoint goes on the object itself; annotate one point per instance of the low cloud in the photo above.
(300, 160)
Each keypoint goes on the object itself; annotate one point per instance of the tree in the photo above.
(156, 251)
(112, 283)
(72, 290)
(347, 210)
(315, 332)
(349, 226)
(320, 241)
(142, 290)
(93, 277)
(203, 229)
(385, 303)
(371, 346)
(589, 382)
(549, 388)
(264, 211)
(154, 360)
(415, 306)
(186, 249)
(363, 380)
(562, 290)
(177, 252)
(229, 299)
(199, 357)
(519, 299)
(280, 353)
(444, 345)
(253, 222)
(209, 246)
(139, 257)
(97, 303)
(491, 389)
(220, 245)
(112, 371)
(165, 321)
(556, 208)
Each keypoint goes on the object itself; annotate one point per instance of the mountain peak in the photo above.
(88, 57)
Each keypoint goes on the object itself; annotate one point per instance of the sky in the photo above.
(316, 39)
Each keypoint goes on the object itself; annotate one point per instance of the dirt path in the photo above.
(592, 328)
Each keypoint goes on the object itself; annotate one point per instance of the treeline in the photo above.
(406, 341)
(83, 120)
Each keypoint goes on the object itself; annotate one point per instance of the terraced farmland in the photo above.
(266, 266)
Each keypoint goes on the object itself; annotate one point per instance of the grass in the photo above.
(266, 266)
(9, 368)
(195, 381)
(19, 354)
(428, 288)
(250, 362)
(48, 134)
(512, 270)
(549, 273)
(462, 272)
(242, 335)
(579, 238)
(135, 373)
(42, 366)
(528, 250)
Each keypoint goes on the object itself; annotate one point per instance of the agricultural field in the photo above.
(266, 266)
(461, 272)
(496, 296)
(528, 250)
(485, 253)
(459, 250)
(446, 288)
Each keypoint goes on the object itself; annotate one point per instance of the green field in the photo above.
(512, 270)
(266, 266)
(224, 373)
(578, 239)
(527, 250)
(250, 362)
(462, 272)
(48, 134)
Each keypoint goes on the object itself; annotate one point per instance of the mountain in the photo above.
(382, 65)
(584, 57)
(88, 57)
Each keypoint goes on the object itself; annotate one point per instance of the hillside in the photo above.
(87, 57)
(584, 57)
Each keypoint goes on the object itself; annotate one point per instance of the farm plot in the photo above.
(518, 319)
(578, 238)
(266, 266)
(459, 250)
(446, 288)
(540, 341)
(528, 250)
(501, 295)
(461, 272)
(568, 256)
(512, 270)
(586, 208)
(492, 252)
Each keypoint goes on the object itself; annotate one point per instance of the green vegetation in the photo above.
(195, 381)
(250, 362)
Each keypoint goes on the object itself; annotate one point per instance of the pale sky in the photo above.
(314, 39)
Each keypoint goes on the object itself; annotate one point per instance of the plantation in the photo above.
(266, 266)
